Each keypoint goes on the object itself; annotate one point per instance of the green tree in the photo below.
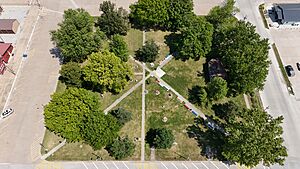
(75, 37)
(147, 53)
(121, 148)
(113, 21)
(149, 13)
(100, 130)
(195, 39)
(71, 74)
(177, 11)
(105, 71)
(217, 88)
(119, 47)
(222, 15)
(160, 138)
(198, 95)
(123, 116)
(254, 137)
(246, 60)
(65, 113)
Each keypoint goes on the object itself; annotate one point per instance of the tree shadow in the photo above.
(210, 141)
(224, 110)
(55, 52)
(150, 137)
(172, 40)
(194, 94)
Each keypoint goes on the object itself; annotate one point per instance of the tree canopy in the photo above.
(217, 88)
(222, 15)
(65, 113)
(71, 74)
(113, 21)
(121, 148)
(160, 138)
(100, 130)
(244, 55)
(75, 37)
(119, 47)
(254, 137)
(123, 116)
(105, 71)
(147, 53)
(195, 38)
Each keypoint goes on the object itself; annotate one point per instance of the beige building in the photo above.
(9, 26)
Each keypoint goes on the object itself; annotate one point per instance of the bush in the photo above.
(121, 115)
(71, 74)
(160, 138)
(121, 148)
(147, 53)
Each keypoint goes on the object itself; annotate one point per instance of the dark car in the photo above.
(298, 65)
(290, 71)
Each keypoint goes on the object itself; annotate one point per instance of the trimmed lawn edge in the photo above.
(284, 74)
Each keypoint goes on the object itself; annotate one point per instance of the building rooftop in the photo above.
(288, 12)
(6, 24)
(3, 48)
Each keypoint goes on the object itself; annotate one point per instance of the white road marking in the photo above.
(164, 165)
(115, 165)
(214, 164)
(74, 4)
(224, 165)
(95, 165)
(195, 166)
(84, 165)
(125, 165)
(174, 165)
(50, 10)
(204, 165)
(105, 165)
(184, 165)
(22, 60)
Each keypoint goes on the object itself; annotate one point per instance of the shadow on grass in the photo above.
(210, 141)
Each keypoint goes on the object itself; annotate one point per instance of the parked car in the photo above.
(298, 65)
(6, 113)
(290, 71)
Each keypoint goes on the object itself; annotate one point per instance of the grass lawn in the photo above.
(134, 39)
(163, 105)
(82, 151)
(50, 141)
(182, 76)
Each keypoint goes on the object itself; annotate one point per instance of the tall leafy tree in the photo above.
(100, 130)
(113, 21)
(66, 111)
(177, 11)
(244, 55)
(106, 72)
(149, 13)
(71, 74)
(195, 39)
(76, 37)
(121, 148)
(217, 88)
(123, 116)
(147, 53)
(160, 138)
(221, 15)
(254, 137)
(119, 47)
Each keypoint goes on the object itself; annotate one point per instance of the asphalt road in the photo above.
(275, 93)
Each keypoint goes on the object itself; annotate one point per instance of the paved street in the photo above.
(275, 94)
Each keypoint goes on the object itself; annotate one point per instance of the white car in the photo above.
(6, 113)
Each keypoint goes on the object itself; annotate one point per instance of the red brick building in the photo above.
(5, 53)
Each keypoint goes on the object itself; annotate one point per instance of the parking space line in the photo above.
(214, 164)
(224, 165)
(125, 165)
(105, 165)
(184, 165)
(204, 165)
(115, 165)
(95, 165)
(174, 165)
(164, 165)
(195, 165)
(84, 165)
